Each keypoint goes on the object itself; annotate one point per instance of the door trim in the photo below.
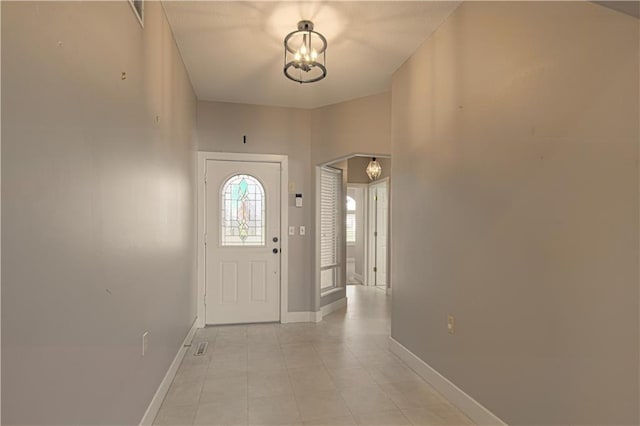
(283, 160)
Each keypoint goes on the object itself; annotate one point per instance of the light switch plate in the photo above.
(292, 230)
(302, 230)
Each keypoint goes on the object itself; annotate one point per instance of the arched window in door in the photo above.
(242, 216)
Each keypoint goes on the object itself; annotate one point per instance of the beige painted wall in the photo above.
(271, 130)
(98, 210)
(358, 126)
(515, 208)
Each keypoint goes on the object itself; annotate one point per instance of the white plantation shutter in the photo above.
(330, 181)
(351, 228)
(351, 221)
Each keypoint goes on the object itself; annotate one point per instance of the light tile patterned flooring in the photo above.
(336, 372)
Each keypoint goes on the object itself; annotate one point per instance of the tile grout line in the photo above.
(336, 339)
(195, 415)
(289, 379)
(354, 416)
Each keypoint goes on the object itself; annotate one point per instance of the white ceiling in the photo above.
(234, 50)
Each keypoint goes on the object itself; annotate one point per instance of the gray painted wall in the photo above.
(98, 210)
(271, 130)
(0, 217)
(308, 137)
(357, 126)
(515, 208)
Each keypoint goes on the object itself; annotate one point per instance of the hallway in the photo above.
(336, 372)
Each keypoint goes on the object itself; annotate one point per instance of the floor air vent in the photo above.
(201, 349)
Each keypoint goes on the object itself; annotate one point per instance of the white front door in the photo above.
(242, 254)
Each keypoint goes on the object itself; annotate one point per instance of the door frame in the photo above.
(283, 160)
(370, 237)
(342, 243)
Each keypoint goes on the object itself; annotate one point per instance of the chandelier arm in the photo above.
(293, 33)
(292, 64)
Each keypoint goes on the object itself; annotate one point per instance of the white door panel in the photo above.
(382, 215)
(242, 272)
(378, 238)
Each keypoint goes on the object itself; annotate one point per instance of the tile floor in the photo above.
(336, 372)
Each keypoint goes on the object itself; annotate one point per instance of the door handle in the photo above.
(275, 251)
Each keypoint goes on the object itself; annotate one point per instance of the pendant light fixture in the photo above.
(374, 170)
(305, 54)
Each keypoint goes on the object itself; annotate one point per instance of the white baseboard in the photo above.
(311, 316)
(156, 402)
(307, 316)
(333, 306)
(469, 406)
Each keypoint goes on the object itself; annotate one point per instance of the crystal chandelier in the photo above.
(305, 54)
(374, 170)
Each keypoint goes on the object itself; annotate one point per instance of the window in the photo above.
(242, 218)
(351, 221)
(330, 185)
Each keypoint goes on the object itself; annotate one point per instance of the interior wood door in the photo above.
(242, 255)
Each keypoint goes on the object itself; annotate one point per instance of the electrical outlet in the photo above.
(292, 231)
(451, 324)
(302, 230)
(145, 342)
